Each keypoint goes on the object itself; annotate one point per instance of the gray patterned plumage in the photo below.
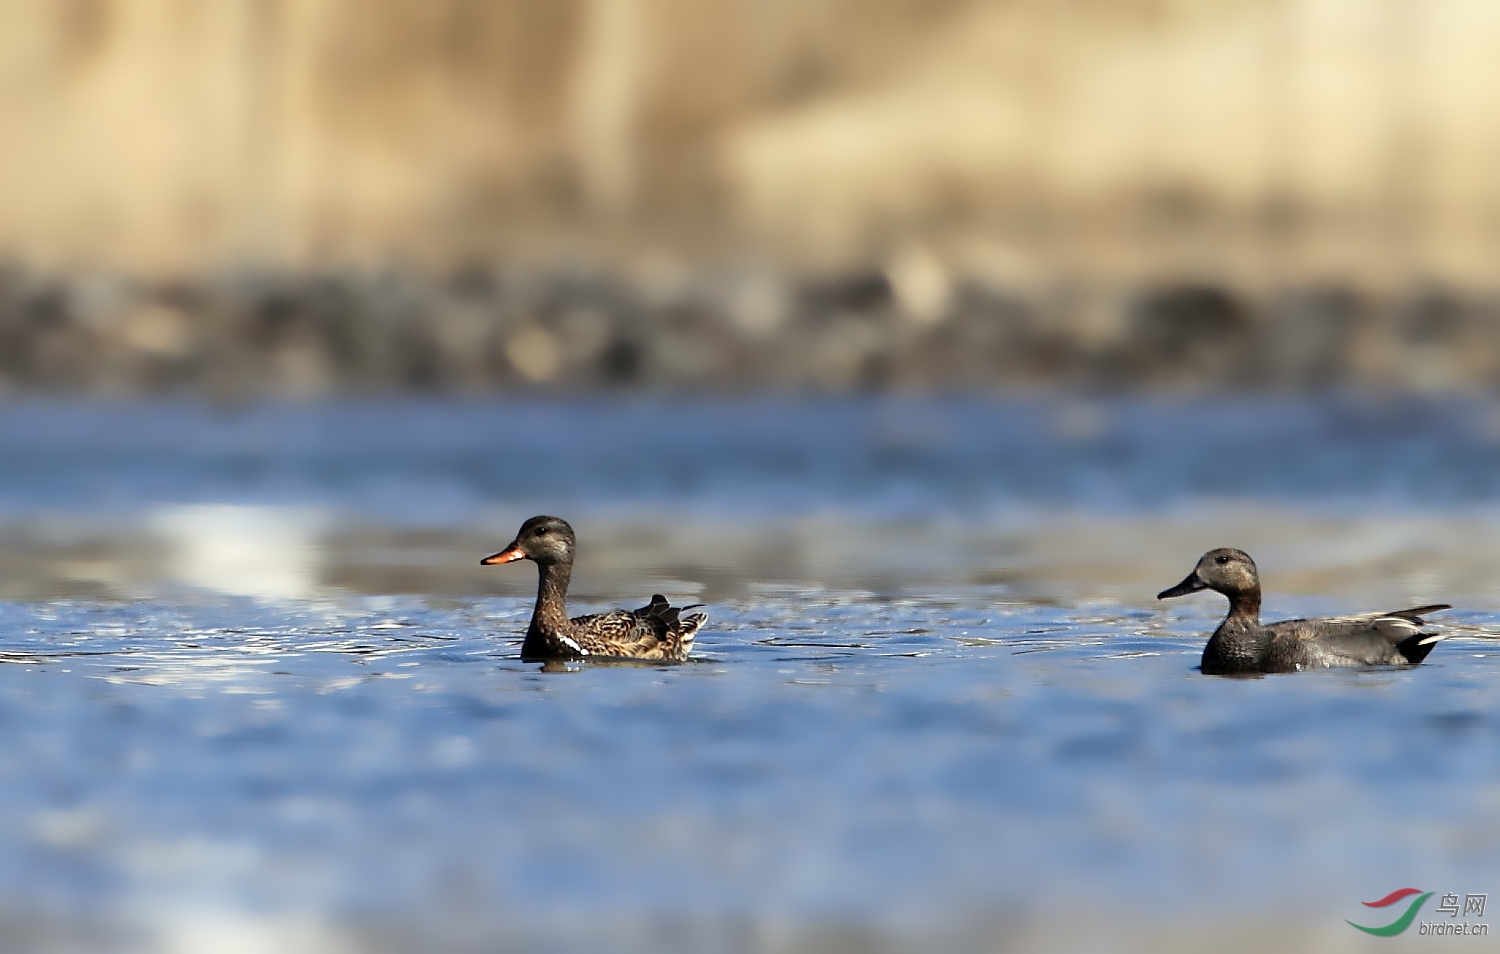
(1242, 644)
(656, 631)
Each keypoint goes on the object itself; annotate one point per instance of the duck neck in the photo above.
(551, 613)
(1245, 606)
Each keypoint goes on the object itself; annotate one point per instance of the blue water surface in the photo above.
(900, 759)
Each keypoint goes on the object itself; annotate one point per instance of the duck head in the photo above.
(1225, 570)
(542, 539)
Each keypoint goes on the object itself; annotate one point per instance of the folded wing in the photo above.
(657, 630)
(1396, 638)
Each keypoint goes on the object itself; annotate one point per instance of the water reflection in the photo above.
(268, 552)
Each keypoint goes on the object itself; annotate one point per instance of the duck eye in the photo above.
(542, 531)
(1221, 558)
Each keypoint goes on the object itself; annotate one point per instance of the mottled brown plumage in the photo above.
(1242, 644)
(656, 631)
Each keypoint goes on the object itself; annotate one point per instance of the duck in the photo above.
(657, 631)
(1243, 644)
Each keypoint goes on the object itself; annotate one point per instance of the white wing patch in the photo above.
(1396, 628)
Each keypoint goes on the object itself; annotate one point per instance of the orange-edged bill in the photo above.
(504, 556)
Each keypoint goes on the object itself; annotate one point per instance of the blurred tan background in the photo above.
(174, 134)
(1256, 145)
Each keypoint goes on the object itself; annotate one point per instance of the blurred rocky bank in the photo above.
(909, 325)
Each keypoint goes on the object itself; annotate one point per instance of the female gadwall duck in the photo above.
(1242, 644)
(654, 631)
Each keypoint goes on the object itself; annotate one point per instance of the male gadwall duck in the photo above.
(655, 631)
(1242, 644)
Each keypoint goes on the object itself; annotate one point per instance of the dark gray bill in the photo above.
(1190, 585)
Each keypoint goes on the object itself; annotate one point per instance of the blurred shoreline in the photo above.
(911, 323)
(790, 195)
